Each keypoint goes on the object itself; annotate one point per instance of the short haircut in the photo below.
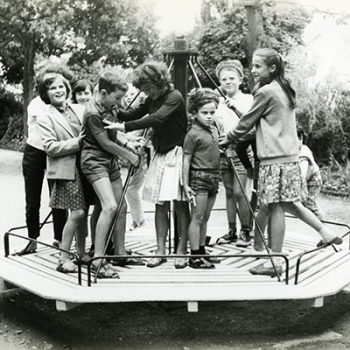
(233, 65)
(153, 72)
(111, 82)
(47, 80)
(199, 97)
(52, 68)
(80, 86)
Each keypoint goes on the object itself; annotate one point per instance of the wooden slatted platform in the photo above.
(322, 273)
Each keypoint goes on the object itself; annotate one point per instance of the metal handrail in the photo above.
(7, 250)
(297, 268)
(174, 256)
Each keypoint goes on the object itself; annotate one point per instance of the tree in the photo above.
(28, 27)
(225, 31)
(122, 32)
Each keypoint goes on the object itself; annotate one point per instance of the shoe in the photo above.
(155, 262)
(200, 263)
(180, 263)
(336, 240)
(212, 259)
(30, 248)
(91, 250)
(266, 271)
(135, 225)
(84, 259)
(67, 266)
(127, 261)
(56, 243)
(230, 237)
(105, 270)
(244, 239)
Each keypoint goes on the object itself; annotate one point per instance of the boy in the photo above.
(101, 148)
(311, 176)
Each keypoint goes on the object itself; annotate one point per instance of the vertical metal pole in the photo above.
(180, 58)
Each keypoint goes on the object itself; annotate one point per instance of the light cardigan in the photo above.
(276, 136)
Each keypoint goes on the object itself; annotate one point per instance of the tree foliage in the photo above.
(121, 31)
(224, 31)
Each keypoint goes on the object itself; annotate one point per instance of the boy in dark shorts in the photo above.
(99, 165)
(201, 171)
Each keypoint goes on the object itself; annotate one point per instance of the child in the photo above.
(100, 167)
(230, 75)
(164, 111)
(133, 193)
(60, 127)
(82, 92)
(201, 170)
(311, 175)
(280, 185)
(34, 166)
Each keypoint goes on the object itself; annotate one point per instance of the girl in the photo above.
(230, 75)
(34, 166)
(82, 92)
(280, 184)
(60, 130)
(201, 170)
(164, 111)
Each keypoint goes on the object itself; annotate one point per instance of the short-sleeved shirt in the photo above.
(93, 124)
(203, 144)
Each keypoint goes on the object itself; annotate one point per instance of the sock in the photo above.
(245, 228)
(202, 249)
(232, 226)
(195, 252)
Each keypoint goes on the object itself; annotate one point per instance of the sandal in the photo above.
(155, 262)
(200, 263)
(127, 261)
(105, 271)
(180, 263)
(66, 266)
(28, 249)
(84, 259)
(336, 240)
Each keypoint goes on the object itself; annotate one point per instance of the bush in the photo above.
(11, 123)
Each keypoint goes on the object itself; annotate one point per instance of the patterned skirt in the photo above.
(68, 194)
(163, 181)
(280, 183)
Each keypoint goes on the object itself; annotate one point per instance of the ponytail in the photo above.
(272, 57)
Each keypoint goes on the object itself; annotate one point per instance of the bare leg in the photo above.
(243, 206)
(93, 220)
(278, 227)
(197, 217)
(262, 220)
(304, 214)
(183, 220)
(104, 190)
(231, 206)
(207, 212)
(74, 222)
(120, 226)
(162, 225)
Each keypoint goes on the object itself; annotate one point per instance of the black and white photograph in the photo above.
(174, 174)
